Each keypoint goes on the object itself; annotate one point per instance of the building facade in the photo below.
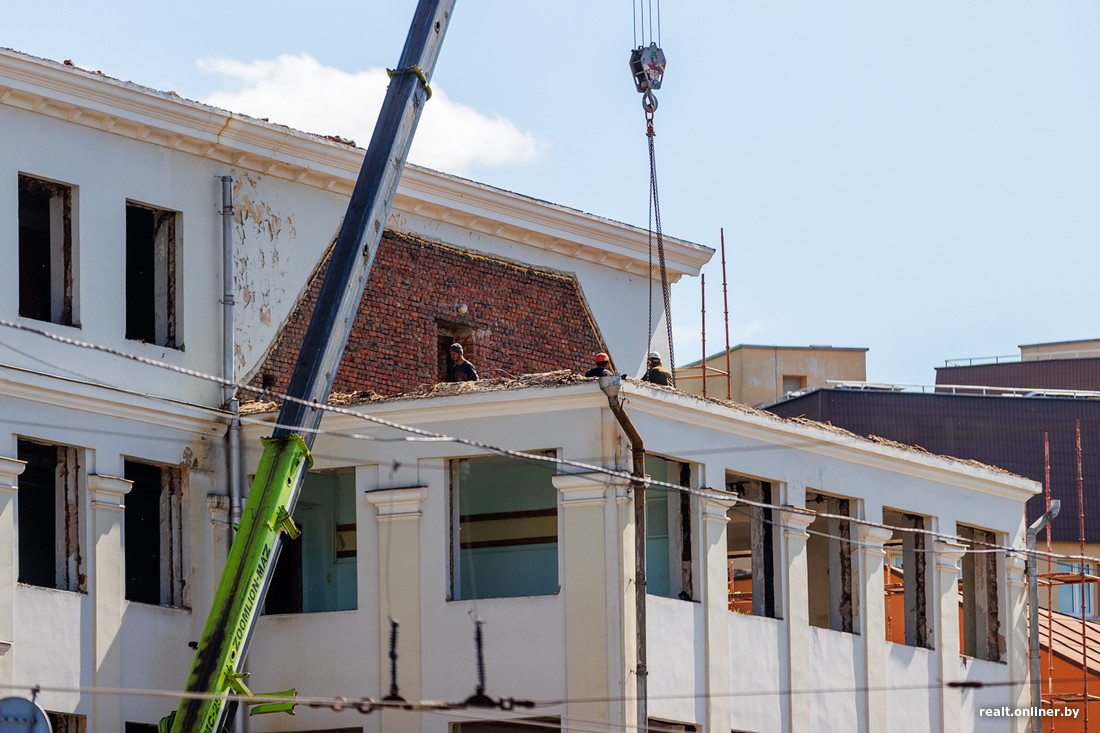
(115, 455)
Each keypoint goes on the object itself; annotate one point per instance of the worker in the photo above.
(602, 368)
(656, 373)
(461, 370)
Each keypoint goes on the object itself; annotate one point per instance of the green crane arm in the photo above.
(240, 595)
(266, 518)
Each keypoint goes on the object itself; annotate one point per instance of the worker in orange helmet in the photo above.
(602, 368)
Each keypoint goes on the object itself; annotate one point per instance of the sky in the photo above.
(921, 180)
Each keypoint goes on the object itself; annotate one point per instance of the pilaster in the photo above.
(9, 558)
(108, 590)
(796, 609)
(1016, 639)
(948, 555)
(873, 624)
(399, 592)
(716, 625)
(589, 626)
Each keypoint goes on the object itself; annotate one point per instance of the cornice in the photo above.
(93, 399)
(165, 119)
(692, 410)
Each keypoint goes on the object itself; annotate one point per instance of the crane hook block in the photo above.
(647, 64)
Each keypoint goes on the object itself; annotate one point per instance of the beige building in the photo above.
(762, 373)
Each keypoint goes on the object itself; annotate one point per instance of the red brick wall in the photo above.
(520, 320)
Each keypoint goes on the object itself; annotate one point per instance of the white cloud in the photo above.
(301, 92)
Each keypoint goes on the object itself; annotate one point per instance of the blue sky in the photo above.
(921, 180)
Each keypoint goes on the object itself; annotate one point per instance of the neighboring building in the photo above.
(115, 521)
(759, 374)
(1066, 365)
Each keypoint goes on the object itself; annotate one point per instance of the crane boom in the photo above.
(266, 519)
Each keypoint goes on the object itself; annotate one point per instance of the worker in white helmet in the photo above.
(657, 373)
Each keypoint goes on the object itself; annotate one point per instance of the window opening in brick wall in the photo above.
(50, 516)
(907, 581)
(751, 549)
(504, 528)
(151, 275)
(669, 565)
(45, 251)
(155, 539)
(67, 722)
(831, 572)
(317, 572)
(448, 333)
(980, 589)
(535, 725)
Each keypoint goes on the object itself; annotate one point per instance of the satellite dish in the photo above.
(19, 715)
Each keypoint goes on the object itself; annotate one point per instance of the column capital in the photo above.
(1016, 569)
(948, 554)
(10, 468)
(715, 504)
(218, 505)
(795, 520)
(399, 503)
(871, 538)
(580, 489)
(108, 492)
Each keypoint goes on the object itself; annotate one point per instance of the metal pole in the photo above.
(703, 317)
(1084, 585)
(1050, 586)
(1033, 613)
(610, 386)
(726, 309)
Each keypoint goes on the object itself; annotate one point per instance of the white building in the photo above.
(114, 517)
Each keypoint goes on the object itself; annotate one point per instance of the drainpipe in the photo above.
(610, 387)
(229, 392)
(1033, 610)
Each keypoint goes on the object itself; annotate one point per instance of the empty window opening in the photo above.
(151, 283)
(318, 571)
(669, 565)
(980, 591)
(50, 517)
(140, 727)
(535, 725)
(504, 528)
(448, 333)
(67, 722)
(793, 383)
(45, 251)
(906, 581)
(751, 549)
(155, 542)
(833, 601)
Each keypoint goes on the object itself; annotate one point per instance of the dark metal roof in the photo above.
(1032, 374)
(1004, 431)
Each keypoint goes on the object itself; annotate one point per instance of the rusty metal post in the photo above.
(1033, 613)
(726, 309)
(703, 317)
(1084, 585)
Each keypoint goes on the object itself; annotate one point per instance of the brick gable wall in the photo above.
(520, 320)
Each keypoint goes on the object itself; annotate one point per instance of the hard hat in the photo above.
(654, 355)
(456, 347)
(601, 358)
